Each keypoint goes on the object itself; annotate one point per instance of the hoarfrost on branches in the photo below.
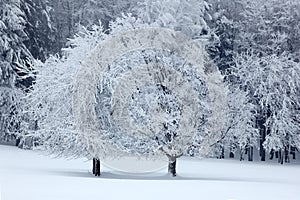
(142, 90)
(48, 106)
(271, 84)
(146, 90)
(186, 16)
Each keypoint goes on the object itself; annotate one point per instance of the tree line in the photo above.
(255, 44)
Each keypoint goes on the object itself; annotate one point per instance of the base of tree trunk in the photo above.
(263, 155)
(280, 157)
(250, 154)
(241, 156)
(272, 154)
(18, 141)
(172, 166)
(96, 167)
(94, 163)
(286, 155)
(222, 154)
(293, 152)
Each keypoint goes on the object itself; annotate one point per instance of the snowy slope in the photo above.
(27, 175)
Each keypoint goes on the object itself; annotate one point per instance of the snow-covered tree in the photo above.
(69, 15)
(160, 116)
(269, 27)
(150, 90)
(240, 132)
(271, 83)
(9, 113)
(266, 27)
(48, 106)
(13, 53)
(89, 12)
(221, 47)
(187, 16)
(15, 63)
(39, 28)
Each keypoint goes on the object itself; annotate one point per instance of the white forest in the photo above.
(149, 94)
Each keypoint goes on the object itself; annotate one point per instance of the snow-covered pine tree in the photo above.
(221, 47)
(15, 64)
(39, 28)
(9, 113)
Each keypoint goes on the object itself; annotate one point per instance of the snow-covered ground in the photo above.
(28, 175)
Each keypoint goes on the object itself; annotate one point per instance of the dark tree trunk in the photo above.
(241, 157)
(18, 140)
(262, 151)
(97, 172)
(272, 154)
(242, 154)
(94, 164)
(96, 167)
(293, 152)
(262, 132)
(250, 154)
(280, 157)
(276, 154)
(172, 165)
(222, 153)
(231, 155)
(286, 155)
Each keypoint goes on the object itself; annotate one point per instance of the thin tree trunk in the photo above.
(262, 132)
(262, 140)
(94, 165)
(293, 152)
(242, 154)
(286, 154)
(276, 154)
(250, 154)
(222, 153)
(272, 154)
(172, 165)
(280, 158)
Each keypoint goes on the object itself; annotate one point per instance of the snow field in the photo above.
(28, 175)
